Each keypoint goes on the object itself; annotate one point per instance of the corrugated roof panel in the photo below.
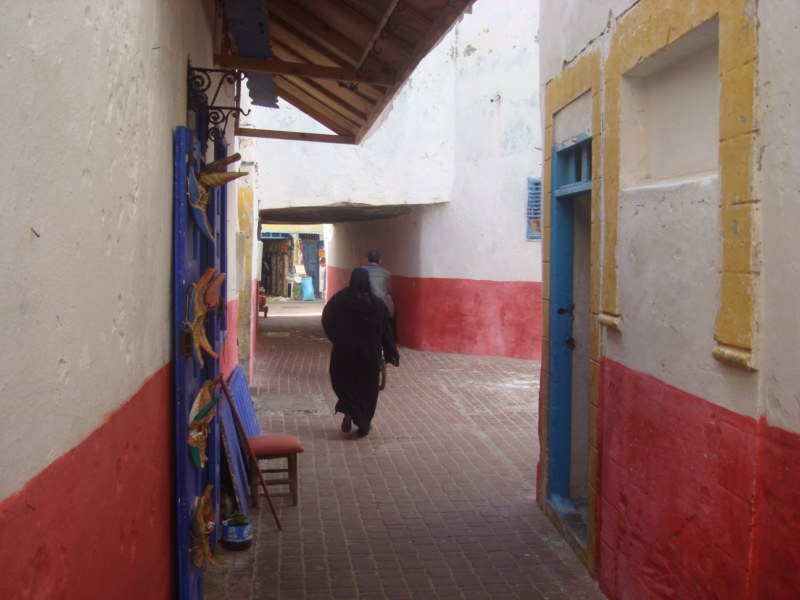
(249, 26)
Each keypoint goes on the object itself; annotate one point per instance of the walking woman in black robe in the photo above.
(357, 322)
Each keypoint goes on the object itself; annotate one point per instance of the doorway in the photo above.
(311, 259)
(570, 337)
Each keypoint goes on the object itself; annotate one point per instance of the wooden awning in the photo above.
(342, 61)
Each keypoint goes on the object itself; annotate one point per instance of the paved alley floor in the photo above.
(436, 503)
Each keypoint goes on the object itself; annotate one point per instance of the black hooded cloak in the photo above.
(357, 322)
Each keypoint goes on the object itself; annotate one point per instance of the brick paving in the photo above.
(436, 503)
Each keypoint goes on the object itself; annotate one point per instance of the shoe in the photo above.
(347, 423)
(363, 431)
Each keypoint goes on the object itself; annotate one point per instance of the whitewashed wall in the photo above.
(406, 159)
(481, 235)
(669, 257)
(462, 135)
(779, 182)
(668, 281)
(669, 252)
(573, 26)
(90, 93)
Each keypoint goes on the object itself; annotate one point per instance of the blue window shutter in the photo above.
(534, 208)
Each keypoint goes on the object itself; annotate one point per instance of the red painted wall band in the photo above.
(98, 521)
(696, 501)
(335, 280)
(229, 356)
(776, 531)
(251, 367)
(464, 316)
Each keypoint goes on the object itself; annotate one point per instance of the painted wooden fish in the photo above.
(204, 520)
(218, 165)
(198, 202)
(203, 410)
(209, 287)
(212, 180)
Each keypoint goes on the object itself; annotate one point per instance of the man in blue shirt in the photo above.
(380, 283)
(380, 280)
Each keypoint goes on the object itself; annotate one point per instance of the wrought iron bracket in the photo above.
(205, 87)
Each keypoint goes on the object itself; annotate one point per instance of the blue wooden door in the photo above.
(571, 179)
(192, 255)
(311, 260)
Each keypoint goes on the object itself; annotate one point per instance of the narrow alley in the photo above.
(437, 502)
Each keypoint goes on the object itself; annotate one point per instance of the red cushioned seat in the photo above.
(277, 446)
(267, 445)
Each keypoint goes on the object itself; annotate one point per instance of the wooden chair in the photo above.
(266, 447)
(275, 447)
(262, 303)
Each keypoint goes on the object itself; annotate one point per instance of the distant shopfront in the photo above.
(290, 254)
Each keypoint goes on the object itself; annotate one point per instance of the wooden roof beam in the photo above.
(301, 44)
(295, 136)
(437, 29)
(310, 50)
(325, 101)
(316, 110)
(315, 29)
(363, 31)
(363, 96)
(279, 67)
(378, 28)
(405, 9)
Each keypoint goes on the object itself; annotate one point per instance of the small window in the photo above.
(572, 169)
(534, 208)
(273, 235)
